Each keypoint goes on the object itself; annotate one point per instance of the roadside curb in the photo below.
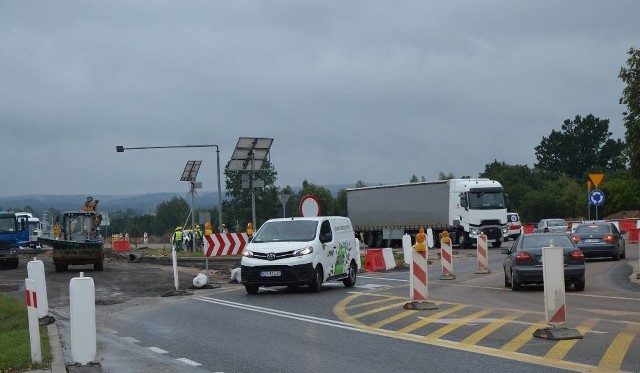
(57, 364)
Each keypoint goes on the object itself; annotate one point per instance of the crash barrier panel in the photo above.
(528, 228)
(483, 254)
(220, 244)
(446, 257)
(374, 260)
(628, 224)
(120, 245)
(389, 260)
(634, 236)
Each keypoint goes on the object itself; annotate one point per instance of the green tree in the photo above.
(444, 176)
(171, 214)
(327, 203)
(517, 181)
(582, 146)
(630, 75)
(414, 179)
(340, 205)
(237, 208)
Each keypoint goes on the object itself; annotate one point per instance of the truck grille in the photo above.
(493, 233)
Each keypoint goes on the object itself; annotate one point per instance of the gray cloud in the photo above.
(350, 90)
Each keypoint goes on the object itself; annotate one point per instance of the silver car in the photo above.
(552, 225)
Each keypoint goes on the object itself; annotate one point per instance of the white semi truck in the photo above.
(463, 207)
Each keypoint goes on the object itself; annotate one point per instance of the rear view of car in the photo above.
(552, 225)
(599, 239)
(523, 262)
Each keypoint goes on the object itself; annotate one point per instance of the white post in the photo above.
(83, 319)
(34, 325)
(35, 271)
(175, 267)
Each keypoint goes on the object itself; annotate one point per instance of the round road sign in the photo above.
(309, 206)
(596, 197)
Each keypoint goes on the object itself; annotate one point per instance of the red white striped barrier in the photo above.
(419, 278)
(220, 244)
(34, 325)
(446, 257)
(483, 254)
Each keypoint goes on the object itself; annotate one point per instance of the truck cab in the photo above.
(10, 231)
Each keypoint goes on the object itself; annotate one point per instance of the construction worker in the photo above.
(198, 237)
(188, 239)
(176, 239)
(56, 230)
(224, 229)
(250, 229)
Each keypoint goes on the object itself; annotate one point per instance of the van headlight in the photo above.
(304, 251)
(247, 253)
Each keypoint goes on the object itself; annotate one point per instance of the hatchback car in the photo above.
(551, 225)
(599, 239)
(523, 263)
(514, 227)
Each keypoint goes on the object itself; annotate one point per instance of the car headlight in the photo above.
(247, 253)
(304, 251)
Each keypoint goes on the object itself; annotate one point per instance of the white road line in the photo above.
(130, 339)
(384, 278)
(190, 362)
(158, 350)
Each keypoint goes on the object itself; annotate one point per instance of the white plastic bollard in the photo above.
(34, 326)
(35, 271)
(174, 259)
(83, 319)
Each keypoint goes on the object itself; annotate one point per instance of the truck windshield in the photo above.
(486, 200)
(287, 230)
(7, 225)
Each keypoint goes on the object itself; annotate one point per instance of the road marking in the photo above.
(616, 352)
(426, 320)
(482, 333)
(370, 286)
(459, 322)
(562, 348)
(393, 318)
(189, 362)
(158, 350)
(130, 339)
(523, 338)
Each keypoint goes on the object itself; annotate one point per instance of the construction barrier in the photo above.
(446, 257)
(528, 228)
(628, 224)
(634, 236)
(483, 254)
(419, 278)
(220, 244)
(374, 260)
(120, 245)
(389, 260)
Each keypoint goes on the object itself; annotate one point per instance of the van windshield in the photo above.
(287, 230)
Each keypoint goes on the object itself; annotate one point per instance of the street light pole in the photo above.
(121, 149)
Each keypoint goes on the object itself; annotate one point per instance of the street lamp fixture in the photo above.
(121, 149)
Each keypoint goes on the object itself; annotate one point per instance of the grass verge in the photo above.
(15, 345)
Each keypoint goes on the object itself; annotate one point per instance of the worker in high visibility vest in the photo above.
(176, 239)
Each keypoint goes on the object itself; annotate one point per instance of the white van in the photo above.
(301, 251)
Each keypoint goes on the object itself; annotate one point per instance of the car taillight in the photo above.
(575, 238)
(576, 255)
(523, 256)
(609, 238)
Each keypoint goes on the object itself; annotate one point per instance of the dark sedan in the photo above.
(523, 263)
(599, 239)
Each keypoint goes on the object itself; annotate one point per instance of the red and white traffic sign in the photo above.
(309, 206)
(220, 244)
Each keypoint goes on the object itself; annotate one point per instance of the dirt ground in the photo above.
(123, 279)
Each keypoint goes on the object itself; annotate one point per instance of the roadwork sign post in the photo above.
(446, 257)
(483, 255)
(419, 282)
(555, 307)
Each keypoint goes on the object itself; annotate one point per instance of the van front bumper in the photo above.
(266, 275)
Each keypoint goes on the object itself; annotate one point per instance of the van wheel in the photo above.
(316, 283)
(351, 277)
(251, 289)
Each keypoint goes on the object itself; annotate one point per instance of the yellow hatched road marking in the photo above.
(618, 349)
(422, 322)
(463, 321)
(480, 334)
(370, 303)
(379, 309)
(524, 337)
(393, 318)
(561, 348)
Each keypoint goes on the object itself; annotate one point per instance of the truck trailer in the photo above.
(465, 208)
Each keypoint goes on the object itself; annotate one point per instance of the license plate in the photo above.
(270, 274)
(591, 240)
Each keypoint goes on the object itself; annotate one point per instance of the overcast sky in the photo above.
(349, 90)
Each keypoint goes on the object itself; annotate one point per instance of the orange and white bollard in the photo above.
(446, 257)
(419, 283)
(483, 254)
